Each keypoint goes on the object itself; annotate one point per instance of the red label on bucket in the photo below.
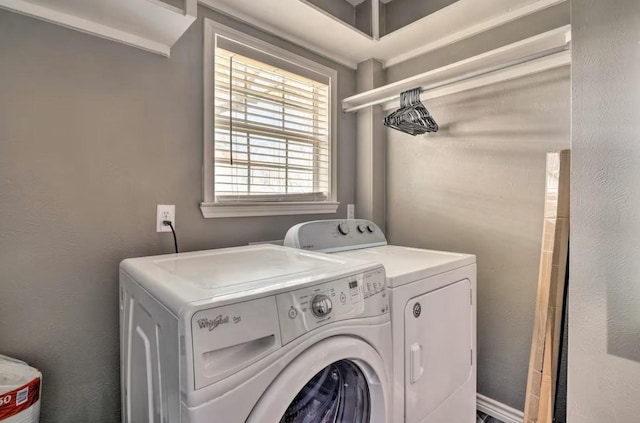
(18, 400)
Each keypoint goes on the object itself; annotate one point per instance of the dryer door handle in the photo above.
(416, 363)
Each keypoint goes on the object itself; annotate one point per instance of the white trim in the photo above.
(474, 30)
(498, 410)
(388, 94)
(540, 65)
(94, 28)
(210, 210)
(375, 19)
(277, 31)
(208, 106)
(240, 37)
(209, 207)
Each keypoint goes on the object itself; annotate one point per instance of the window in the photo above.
(268, 129)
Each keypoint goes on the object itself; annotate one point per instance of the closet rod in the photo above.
(471, 75)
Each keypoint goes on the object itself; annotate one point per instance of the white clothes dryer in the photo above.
(433, 317)
(256, 334)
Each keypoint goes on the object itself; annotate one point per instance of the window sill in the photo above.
(213, 210)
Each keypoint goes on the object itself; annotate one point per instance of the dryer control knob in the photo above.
(321, 305)
(362, 228)
(343, 228)
(371, 228)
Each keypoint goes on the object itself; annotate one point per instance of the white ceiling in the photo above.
(305, 25)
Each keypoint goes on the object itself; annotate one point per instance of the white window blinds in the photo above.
(271, 133)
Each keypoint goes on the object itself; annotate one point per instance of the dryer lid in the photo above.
(405, 264)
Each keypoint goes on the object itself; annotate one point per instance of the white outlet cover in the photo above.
(350, 211)
(165, 212)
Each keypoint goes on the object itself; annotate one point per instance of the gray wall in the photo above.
(397, 14)
(477, 186)
(604, 293)
(94, 134)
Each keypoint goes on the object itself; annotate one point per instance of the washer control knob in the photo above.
(343, 228)
(371, 228)
(362, 228)
(321, 305)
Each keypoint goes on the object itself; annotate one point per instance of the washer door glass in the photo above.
(337, 394)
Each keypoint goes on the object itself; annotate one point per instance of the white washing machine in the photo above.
(433, 317)
(256, 334)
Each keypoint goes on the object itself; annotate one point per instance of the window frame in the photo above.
(209, 207)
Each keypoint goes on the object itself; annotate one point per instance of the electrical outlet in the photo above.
(351, 211)
(165, 212)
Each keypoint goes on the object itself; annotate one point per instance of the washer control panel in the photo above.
(357, 296)
(335, 235)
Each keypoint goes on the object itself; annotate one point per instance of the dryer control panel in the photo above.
(334, 235)
(362, 295)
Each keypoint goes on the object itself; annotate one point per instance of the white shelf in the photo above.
(495, 66)
(151, 25)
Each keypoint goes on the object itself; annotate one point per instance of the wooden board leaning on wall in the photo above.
(547, 327)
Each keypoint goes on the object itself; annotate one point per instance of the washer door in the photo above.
(338, 393)
(339, 380)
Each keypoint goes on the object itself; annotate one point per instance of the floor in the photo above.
(483, 418)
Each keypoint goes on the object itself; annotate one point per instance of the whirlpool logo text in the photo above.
(211, 324)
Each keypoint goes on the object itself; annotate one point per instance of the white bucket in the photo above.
(20, 390)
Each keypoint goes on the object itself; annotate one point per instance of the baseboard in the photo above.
(498, 410)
